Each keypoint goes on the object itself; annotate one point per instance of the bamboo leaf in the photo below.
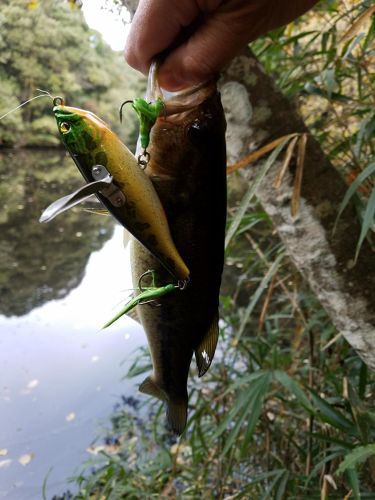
(352, 45)
(355, 457)
(248, 405)
(285, 165)
(357, 25)
(259, 153)
(367, 223)
(353, 481)
(298, 175)
(292, 386)
(329, 414)
(369, 170)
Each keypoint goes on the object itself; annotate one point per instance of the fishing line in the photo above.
(44, 93)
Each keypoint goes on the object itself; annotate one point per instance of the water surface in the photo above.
(59, 282)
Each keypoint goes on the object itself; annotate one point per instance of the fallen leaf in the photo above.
(111, 449)
(3, 452)
(255, 155)
(357, 25)
(26, 459)
(33, 383)
(5, 463)
(70, 417)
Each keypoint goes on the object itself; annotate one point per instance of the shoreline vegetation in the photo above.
(49, 46)
(287, 407)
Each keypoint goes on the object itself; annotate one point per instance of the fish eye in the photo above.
(197, 132)
(65, 127)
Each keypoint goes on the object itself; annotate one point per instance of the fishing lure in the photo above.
(113, 175)
(145, 296)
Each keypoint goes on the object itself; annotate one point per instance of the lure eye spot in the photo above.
(58, 101)
(65, 127)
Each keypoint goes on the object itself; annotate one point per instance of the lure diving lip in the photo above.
(113, 174)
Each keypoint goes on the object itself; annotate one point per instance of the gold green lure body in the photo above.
(130, 196)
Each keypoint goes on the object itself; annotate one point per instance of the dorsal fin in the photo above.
(204, 354)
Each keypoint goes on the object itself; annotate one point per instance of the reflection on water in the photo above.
(40, 262)
(59, 372)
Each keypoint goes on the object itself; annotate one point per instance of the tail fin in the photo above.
(177, 415)
(176, 410)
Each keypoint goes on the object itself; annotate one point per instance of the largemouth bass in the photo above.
(131, 198)
(188, 169)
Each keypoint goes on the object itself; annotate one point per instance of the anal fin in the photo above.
(204, 354)
(176, 408)
(151, 388)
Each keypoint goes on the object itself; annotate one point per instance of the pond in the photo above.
(61, 374)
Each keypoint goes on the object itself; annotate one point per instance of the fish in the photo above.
(187, 167)
(113, 174)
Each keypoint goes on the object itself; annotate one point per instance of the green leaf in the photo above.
(329, 414)
(247, 406)
(355, 457)
(367, 223)
(369, 170)
(353, 481)
(293, 387)
(329, 80)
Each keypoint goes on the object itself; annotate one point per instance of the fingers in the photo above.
(218, 30)
(155, 26)
(215, 42)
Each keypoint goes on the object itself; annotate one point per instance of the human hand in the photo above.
(212, 33)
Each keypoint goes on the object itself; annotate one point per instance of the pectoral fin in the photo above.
(206, 350)
(69, 201)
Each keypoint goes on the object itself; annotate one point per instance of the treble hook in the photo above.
(122, 105)
(149, 272)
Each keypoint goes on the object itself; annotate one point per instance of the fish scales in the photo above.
(188, 170)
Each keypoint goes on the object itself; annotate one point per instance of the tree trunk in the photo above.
(257, 113)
